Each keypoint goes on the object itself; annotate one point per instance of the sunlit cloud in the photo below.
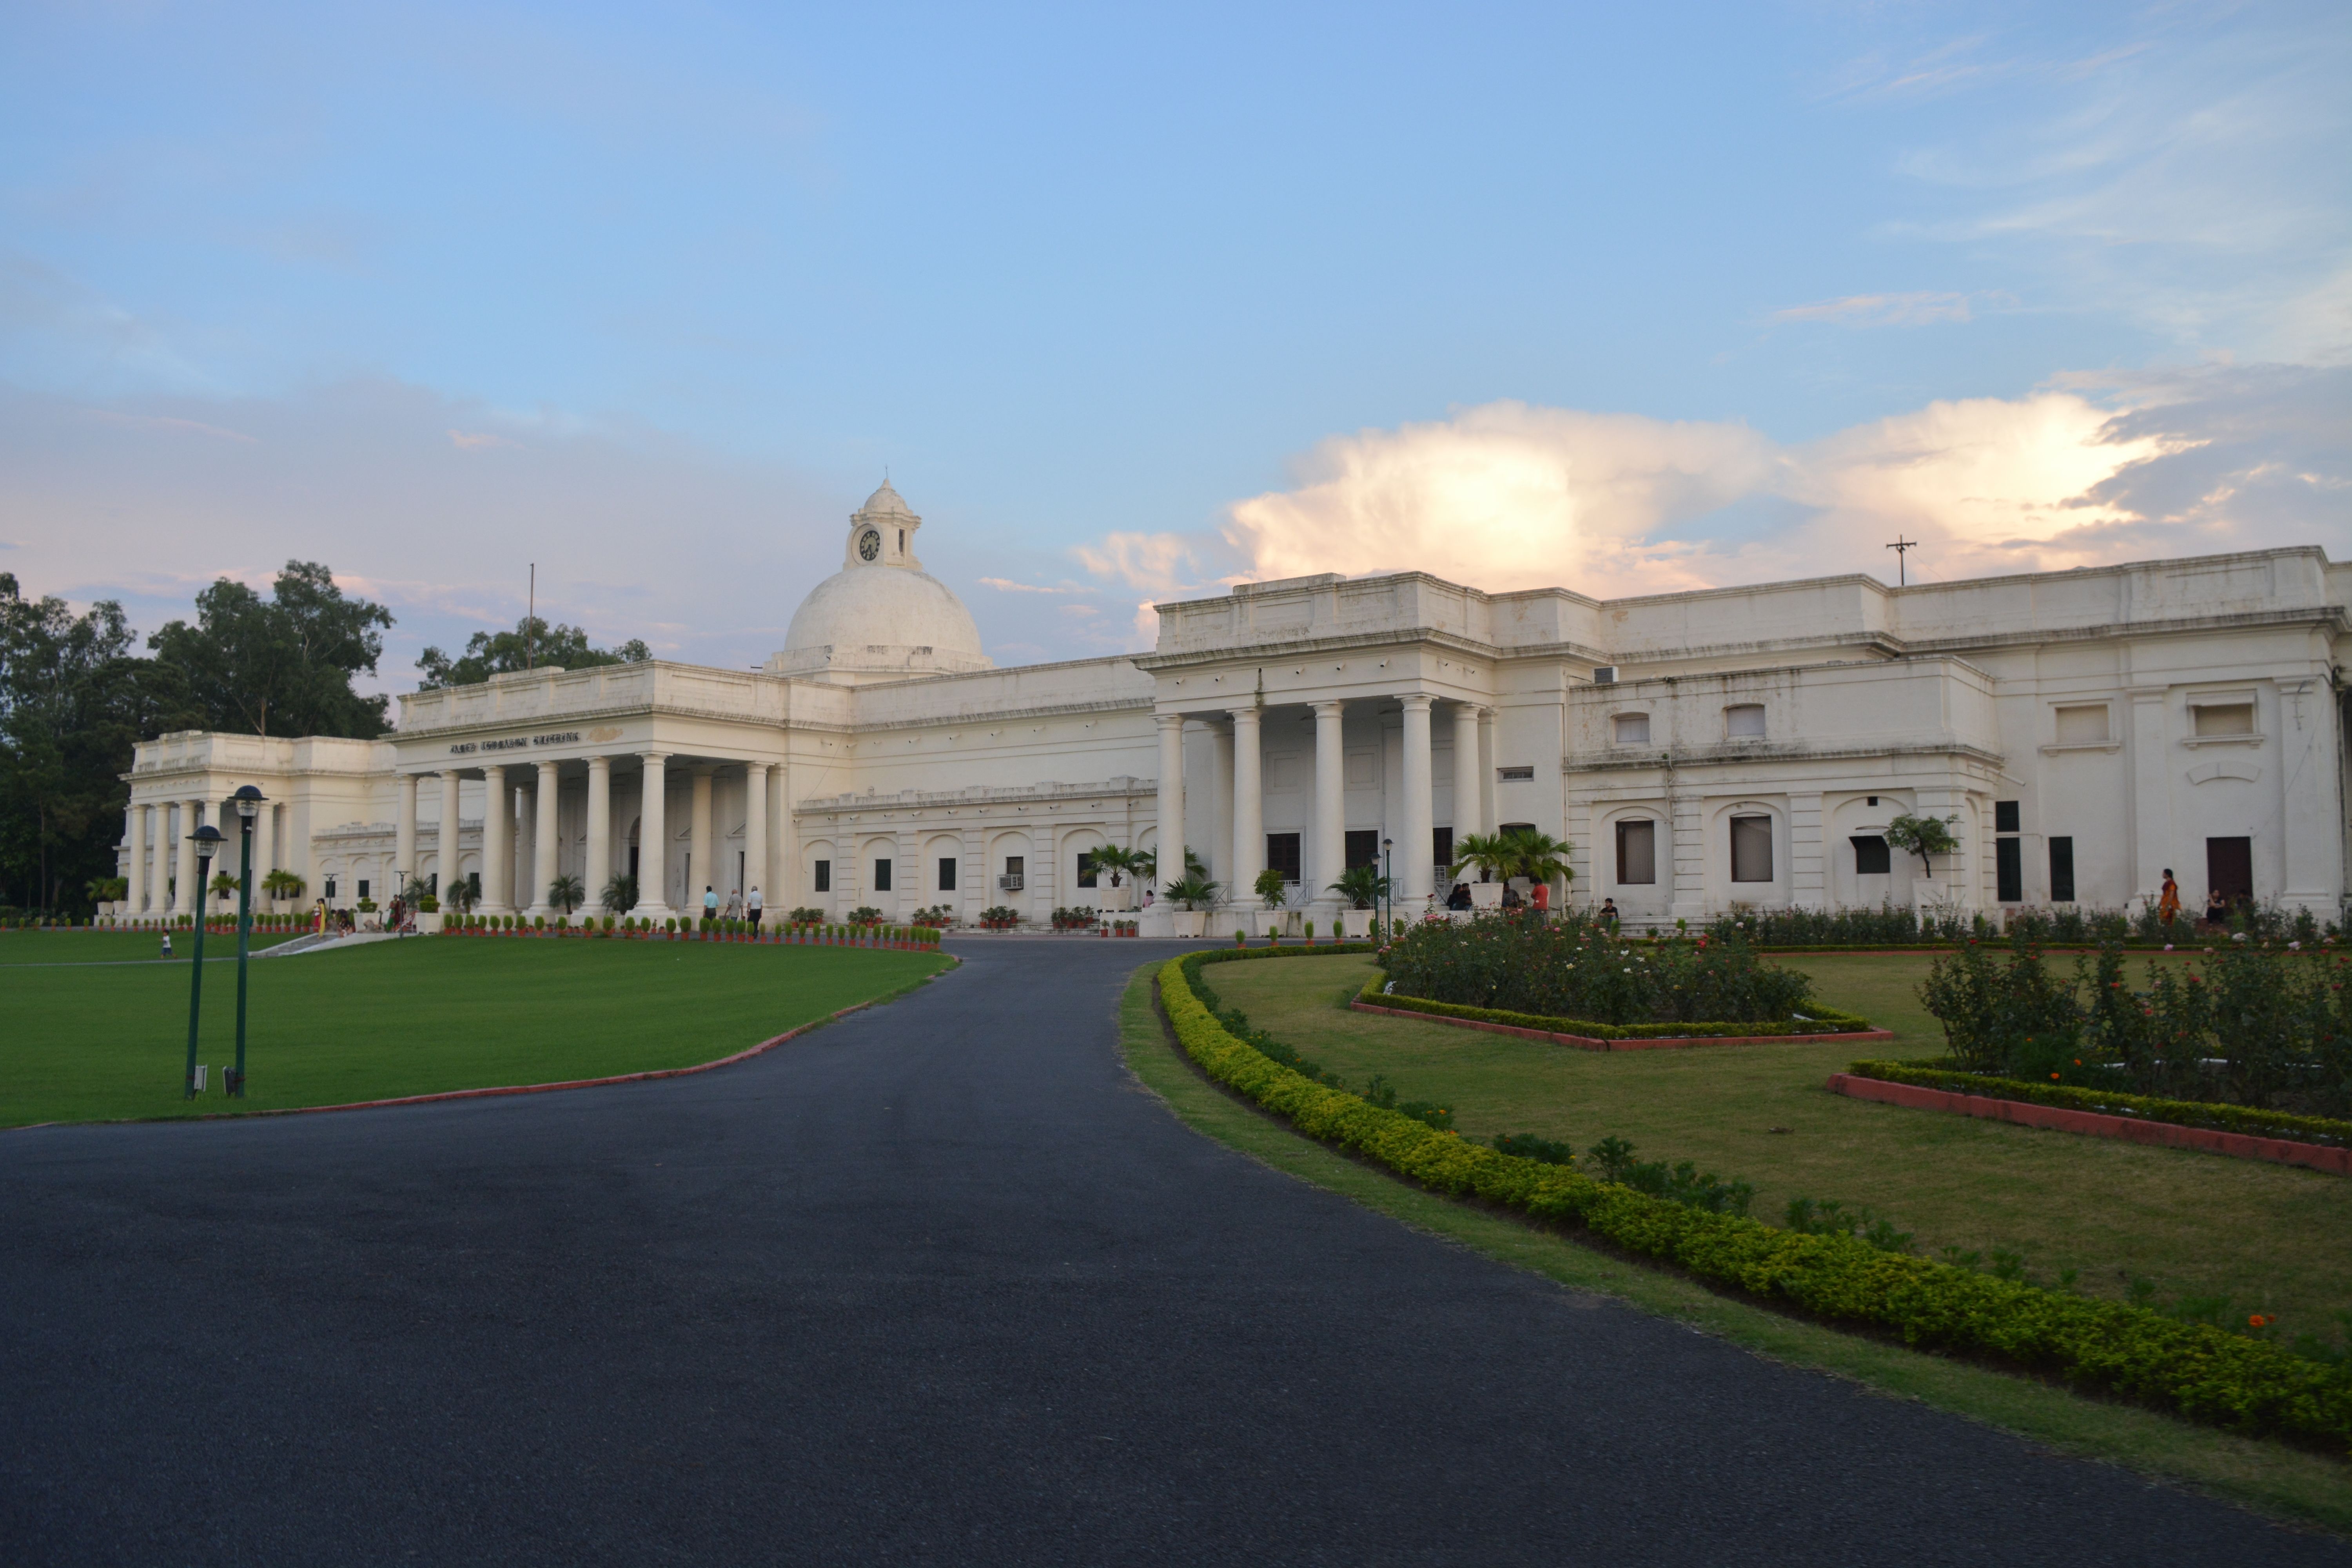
(1915, 310)
(471, 441)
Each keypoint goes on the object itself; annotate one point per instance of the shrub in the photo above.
(806, 916)
(1575, 968)
(864, 915)
(2190, 1369)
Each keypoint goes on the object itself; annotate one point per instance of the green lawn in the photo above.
(91, 1043)
(47, 947)
(2272, 1239)
(2288, 1483)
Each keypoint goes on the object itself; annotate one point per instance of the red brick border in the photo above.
(2131, 1128)
(1587, 1043)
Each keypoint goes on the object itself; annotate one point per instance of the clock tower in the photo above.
(882, 532)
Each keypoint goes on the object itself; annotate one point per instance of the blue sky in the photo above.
(1626, 298)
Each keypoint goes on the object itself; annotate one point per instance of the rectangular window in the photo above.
(1870, 855)
(1016, 874)
(2225, 719)
(823, 883)
(1441, 847)
(331, 889)
(1637, 852)
(2062, 870)
(474, 884)
(1751, 848)
(1521, 775)
(432, 883)
(1744, 723)
(2009, 869)
(2082, 726)
(881, 876)
(363, 887)
(1363, 847)
(2004, 816)
(947, 874)
(2229, 867)
(1631, 728)
(1085, 868)
(1282, 855)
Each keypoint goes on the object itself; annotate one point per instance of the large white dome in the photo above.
(881, 615)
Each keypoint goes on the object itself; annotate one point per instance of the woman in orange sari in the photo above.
(2167, 906)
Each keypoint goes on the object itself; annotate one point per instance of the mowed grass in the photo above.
(86, 1041)
(2272, 1239)
(47, 947)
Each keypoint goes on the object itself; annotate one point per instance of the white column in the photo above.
(404, 832)
(1330, 856)
(1249, 807)
(1172, 799)
(1416, 847)
(498, 842)
(599, 830)
(543, 841)
(2310, 830)
(2151, 798)
(446, 840)
(700, 871)
(265, 849)
(1221, 817)
(653, 843)
(1469, 778)
(782, 886)
(134, 829)
(1489, 819)
(755, 834)
(187, 898)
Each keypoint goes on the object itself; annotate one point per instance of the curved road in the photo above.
(939, 1283)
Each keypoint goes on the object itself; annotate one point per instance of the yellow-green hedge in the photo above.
(2192, 1370)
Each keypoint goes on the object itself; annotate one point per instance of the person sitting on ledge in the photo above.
(2216, 910)
(1459, 896)
(1511, 899)
(1608, 915)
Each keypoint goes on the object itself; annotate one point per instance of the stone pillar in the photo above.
(653, 842)
(2151, 800)
(700, 869)
(187, 898)
(784, 884)
(1221, 817)
(134, 829)
(264, 850)
(1417, 838)
(1469, 778)
(498, 842)
(445, 839)
(1249, 807)
(543, 841)
(404, 832)
(1488, 817)
(755, 834)
(1172, 800)
(1809, 867)
(2310, 830)
(1330, 856)
(599, 869)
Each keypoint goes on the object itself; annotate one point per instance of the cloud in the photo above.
(1887, 310)
(469, 441)
(1006, 586)
(2086, 470)
(1162, 561)
(163, 422)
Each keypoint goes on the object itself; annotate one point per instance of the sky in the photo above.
(1133, 306)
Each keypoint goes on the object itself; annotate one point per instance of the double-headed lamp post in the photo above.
(207, 840)
(1388, 891)
(248, 806)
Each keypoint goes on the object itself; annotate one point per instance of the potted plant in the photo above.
(1192, 893)
(1491, 855)
(1363, 886)
(1273, 891)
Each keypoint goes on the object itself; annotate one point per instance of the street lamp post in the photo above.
(207, 840)
(1388, 893)
(248, 806)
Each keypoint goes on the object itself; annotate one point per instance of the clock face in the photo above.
(869, 545)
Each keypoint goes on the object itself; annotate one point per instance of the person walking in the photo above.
(710, 902)
(2167, 906)
(757, 906)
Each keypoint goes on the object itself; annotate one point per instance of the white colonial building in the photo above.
(2084, 730)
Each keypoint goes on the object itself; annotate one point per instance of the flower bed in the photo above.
(2195, 1370)
(1579, 972)
(1821, 1024)
(2248, 1120)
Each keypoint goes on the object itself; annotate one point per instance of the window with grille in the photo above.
(881, 876)
(1631, 728)
(824, 878)
(1282, 855)
(1751, 848)
(1871, 857)
(1363, 847)
(1637, 852)
(2062, 870)
(2008, 870)
(1085, 868)
(947, 874)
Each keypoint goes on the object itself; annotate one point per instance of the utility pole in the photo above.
(1902, 548)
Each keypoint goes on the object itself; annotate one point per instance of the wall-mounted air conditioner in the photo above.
(1009, 884)
(1604, 675)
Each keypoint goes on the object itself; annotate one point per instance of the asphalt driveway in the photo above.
(938, 1283)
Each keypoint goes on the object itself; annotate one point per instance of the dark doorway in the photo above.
(633, 864)
(1871, 856)
(1282, 855)
(2008, 870)
(1363, 847)
(2229, 867)
(1637, 851)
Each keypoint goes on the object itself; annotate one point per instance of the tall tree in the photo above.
(533, 642)
(73, 699)
(284, 664)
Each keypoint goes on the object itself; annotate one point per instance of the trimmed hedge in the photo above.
(2195, 1370)
(2221, 1118)
(1824, 1022)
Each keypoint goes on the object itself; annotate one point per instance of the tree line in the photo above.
(76, 693)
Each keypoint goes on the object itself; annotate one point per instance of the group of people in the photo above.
(2217, 905)
(738, 906)
(1539, 897)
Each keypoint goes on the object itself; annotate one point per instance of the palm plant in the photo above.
(1192, 890)
(1119, 862)
(620, 894)
(1491, 853)
(565, 893)
(461, 894)
(1271, 887)
(1538, 856)
(1362, 886)
(108, 889)
(221, 886)
(281, 884)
